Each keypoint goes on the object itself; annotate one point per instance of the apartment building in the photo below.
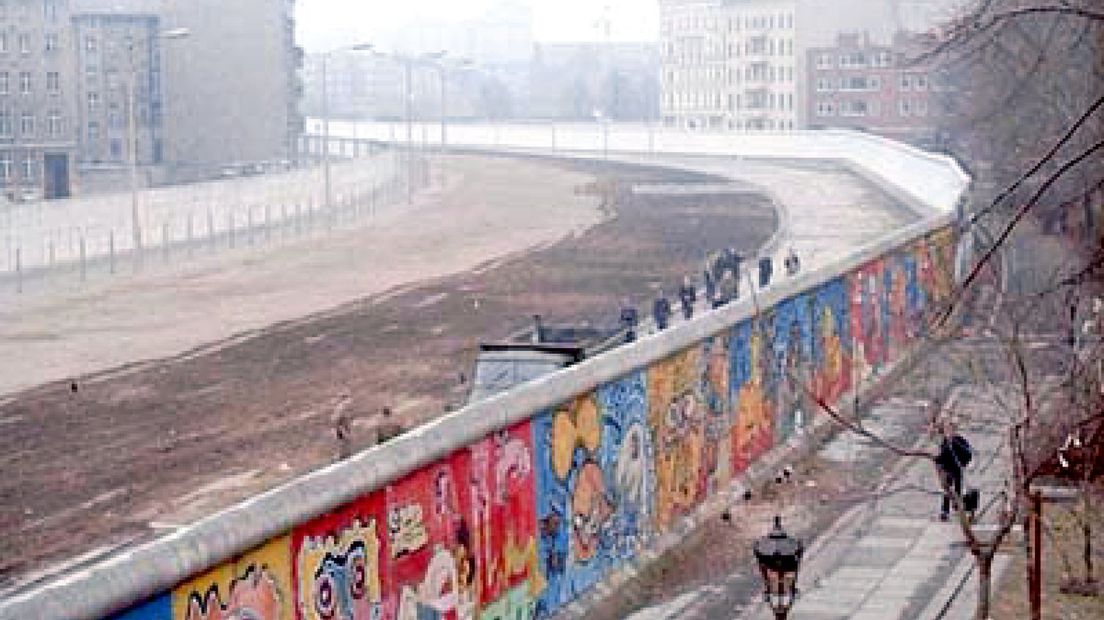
(36, 99)
(729, 65)
(861, 84)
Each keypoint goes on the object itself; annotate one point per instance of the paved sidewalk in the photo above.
(892, 558)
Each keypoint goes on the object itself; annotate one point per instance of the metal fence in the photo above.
(45, 244)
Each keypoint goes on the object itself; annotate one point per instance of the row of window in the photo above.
(732, 24)
(869, 82)
(856, 60)
(55, 126)
(23, 43)
(752, 100)
(757, 72)
(26, 82)
(7, 167)
(758, 46)
(905, 108)
(50, 9)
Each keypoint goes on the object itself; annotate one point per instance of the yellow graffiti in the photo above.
(675, 414)
(255, 585)
(577, 425)
(523, 560)
(752, 417)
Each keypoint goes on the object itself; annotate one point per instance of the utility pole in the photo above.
(326, 130)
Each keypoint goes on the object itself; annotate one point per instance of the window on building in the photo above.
(6, 167)
(116, 149)
(906, 82)
(5, 123)
(824, 84)
(920, 82)
(25, 82)
(3, 42)
(93, 101)
(903, 108)
(93, 130)
(853, 108)
(27, 123)
(4, 83)
(90, 43)
(29, 167)
(53, 123)
(53, 81)
(51, 42)
(825, 108)
(920, 108)
(25, 44)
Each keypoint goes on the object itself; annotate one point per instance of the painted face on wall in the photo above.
(590, 509)
(341, 586)
(339, 576)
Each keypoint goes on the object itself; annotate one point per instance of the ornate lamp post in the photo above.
(779, 557)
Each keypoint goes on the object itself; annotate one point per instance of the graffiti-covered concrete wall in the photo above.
(525, 520)
(518, 505)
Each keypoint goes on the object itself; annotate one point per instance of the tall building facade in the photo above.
(118, 62)
(231, 88)
(729, 65)
(742, 64)
(860, 84)
(74, 74)
(37, 95)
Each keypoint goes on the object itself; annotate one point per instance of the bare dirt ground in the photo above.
(159, 444)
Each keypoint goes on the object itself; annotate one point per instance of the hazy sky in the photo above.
(326, 23)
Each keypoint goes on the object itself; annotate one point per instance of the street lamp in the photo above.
(360, 47)
(779, 558)
(407, 61)
(603, 121)
(132, 131)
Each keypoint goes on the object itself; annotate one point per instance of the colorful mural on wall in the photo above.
(521, 522)
(595, 487)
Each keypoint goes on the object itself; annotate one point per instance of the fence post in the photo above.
(190, 232)
(51, 253)
(19, 270)
(111, 251)
(230, 226)
(165, 241)
(83, 260)
(210, 227)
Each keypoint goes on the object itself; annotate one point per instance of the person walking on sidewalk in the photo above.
(688, 295)
(661, 311)
(954, 455)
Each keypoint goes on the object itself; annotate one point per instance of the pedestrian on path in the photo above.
(792, 263)
(710, 287)
(766, 270)
(342, 421)
(954, 455)
(688, 295)
(628, 320)
(661, 311)
(729, 290)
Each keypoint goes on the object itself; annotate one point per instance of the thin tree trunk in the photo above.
(1086, 529)
(985, 577)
